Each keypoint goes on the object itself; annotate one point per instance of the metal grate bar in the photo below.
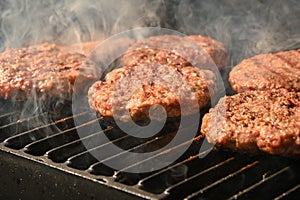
(99, 168)
(293, 193)
(160, 172)
(157, 156)
(126, 177)
(20, 140)
(30, 135)
(116, 156)
(270, 183)
(84, 160)
(208, 176)
(201, 192)
(127, 143)
(100, 148)
(40, 147)
(22, 120)
(159, 181)
(82, 155)
(14, 125)
(233, 183)
(62, 153)
(9, 114)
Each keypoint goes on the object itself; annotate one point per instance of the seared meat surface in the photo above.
(253, 121)
(43, 71)
(177, 51)
(138, 88)
(158, 71)
(267, 71)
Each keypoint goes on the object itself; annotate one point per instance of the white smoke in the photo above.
(246, 27)
(29, 22)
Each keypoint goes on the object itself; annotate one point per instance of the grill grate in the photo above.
(219, 174)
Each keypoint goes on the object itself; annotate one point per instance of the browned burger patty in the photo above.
(42, 71)
(261, 72)
(267, 121)
(86, 48)
(178, 51)
(138, 88)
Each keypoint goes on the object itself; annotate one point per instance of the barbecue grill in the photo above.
(42, 155)
(49, 160)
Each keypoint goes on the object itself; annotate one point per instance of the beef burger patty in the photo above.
(177, 51)
(138, 88)
(253, 121)
(43, 71)
(267, 71)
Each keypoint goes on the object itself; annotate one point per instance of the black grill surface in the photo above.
(42, 155)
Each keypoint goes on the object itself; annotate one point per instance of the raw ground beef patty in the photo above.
(253, 121)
